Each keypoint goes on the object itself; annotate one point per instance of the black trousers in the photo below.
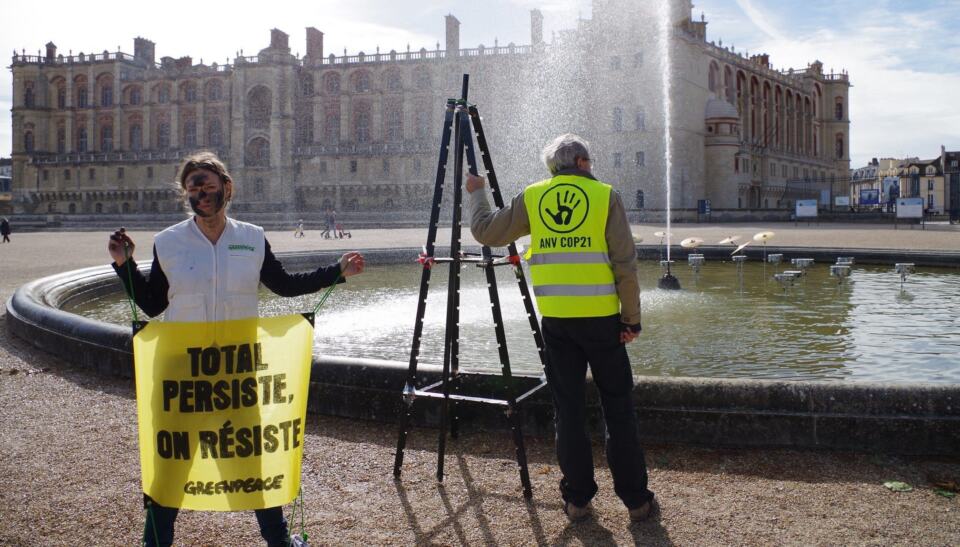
(571, 345)
(160, 521)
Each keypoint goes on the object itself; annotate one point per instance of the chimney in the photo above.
(143, 50)
(536, 27)
(279, 40)
(51, 51)
(183, 63)
(453, 36)
(314, 44)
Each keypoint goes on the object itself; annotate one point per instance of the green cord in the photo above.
(133, 306)
(326, 294)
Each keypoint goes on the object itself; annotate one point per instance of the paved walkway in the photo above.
(70, 472)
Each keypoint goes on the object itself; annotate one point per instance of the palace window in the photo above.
(618, 119)
(331, 83)
(839, 108)
(106, 95)
(214, 91)
(119, 172)
(394, 124)
(28, 141)
(163, 95)
(91, 173)
(106, 138)
(82, 139)
(190, 92)
(306, 85)
(150, 172)
(82, 96)
(615, 62)
(66, 174)
(640, 160)
(214, 133)
(353, 166)
(618, 159)
(163, 135)
(61, 140)
(362, 82)
(361, 125)
(135, 96)
(190, 134)
(331, 126)
(393, 81)
(61, 98)
(641, 121)
(417, 166)
(258, 153)
(386, 166)
(136, 137)
(28, 97)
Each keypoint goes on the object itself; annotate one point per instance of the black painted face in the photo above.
(206, 193)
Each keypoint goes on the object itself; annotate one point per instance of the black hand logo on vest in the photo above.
(563, 208)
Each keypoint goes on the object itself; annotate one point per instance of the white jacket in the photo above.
(211, 282)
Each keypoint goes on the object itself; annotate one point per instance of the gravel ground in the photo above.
(70, 473)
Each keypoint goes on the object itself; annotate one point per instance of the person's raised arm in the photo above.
(149, 293)
(277, 279)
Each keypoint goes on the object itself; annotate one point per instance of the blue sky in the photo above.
(903, 56)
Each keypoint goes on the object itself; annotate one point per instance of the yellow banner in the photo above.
(222, 411)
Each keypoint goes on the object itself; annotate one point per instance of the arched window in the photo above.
(163, 135)
(28, 141)
(422, 80)
(305, 129)
(306, 85)
(331, 125)
(98, 207)
(214, 133)
(61, 139)
(61, 97)
(839, 146)
(82, 139)
(190, 92)
(106, 96)
(28, 96)
(361, 123)
(136, 137)
(259, 103)
(106, 138)
(163, 94)
(361, 81)
(838, 108)
(190, 133)
(714, 78)
(257, 153)
(331, 83)
(393, 123)
(135, 95)
(214, 90)
(392, 81)
(82, 96)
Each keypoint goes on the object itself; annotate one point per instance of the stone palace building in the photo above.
(104, 132)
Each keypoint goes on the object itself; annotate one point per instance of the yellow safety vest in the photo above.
(569, 262)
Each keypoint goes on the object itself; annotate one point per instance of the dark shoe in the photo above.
(642, 513)
(575, 513)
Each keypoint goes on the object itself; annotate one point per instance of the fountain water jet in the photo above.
(668, 281)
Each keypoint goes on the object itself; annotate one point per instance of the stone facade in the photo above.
(104, 133)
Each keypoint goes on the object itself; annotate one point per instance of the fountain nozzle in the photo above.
(668, 281)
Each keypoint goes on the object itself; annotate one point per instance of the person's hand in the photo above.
(120, 247)
(474, 183)
(628, 334)
(351, 263)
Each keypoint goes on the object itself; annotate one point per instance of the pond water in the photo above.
(865, 329)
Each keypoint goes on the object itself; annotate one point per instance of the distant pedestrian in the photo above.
(298, 233)
(331, 224)
(5, 229)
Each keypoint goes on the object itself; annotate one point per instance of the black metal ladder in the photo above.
(457, 123)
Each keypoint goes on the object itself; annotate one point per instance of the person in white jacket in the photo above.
(208, 268)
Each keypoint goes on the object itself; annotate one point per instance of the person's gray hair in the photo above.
(563, 152)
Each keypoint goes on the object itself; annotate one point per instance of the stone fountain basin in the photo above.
(918, 419)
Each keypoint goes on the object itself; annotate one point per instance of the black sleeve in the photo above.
(150, 293)
(275, 278)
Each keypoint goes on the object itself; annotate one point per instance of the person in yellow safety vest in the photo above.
(583, 265)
